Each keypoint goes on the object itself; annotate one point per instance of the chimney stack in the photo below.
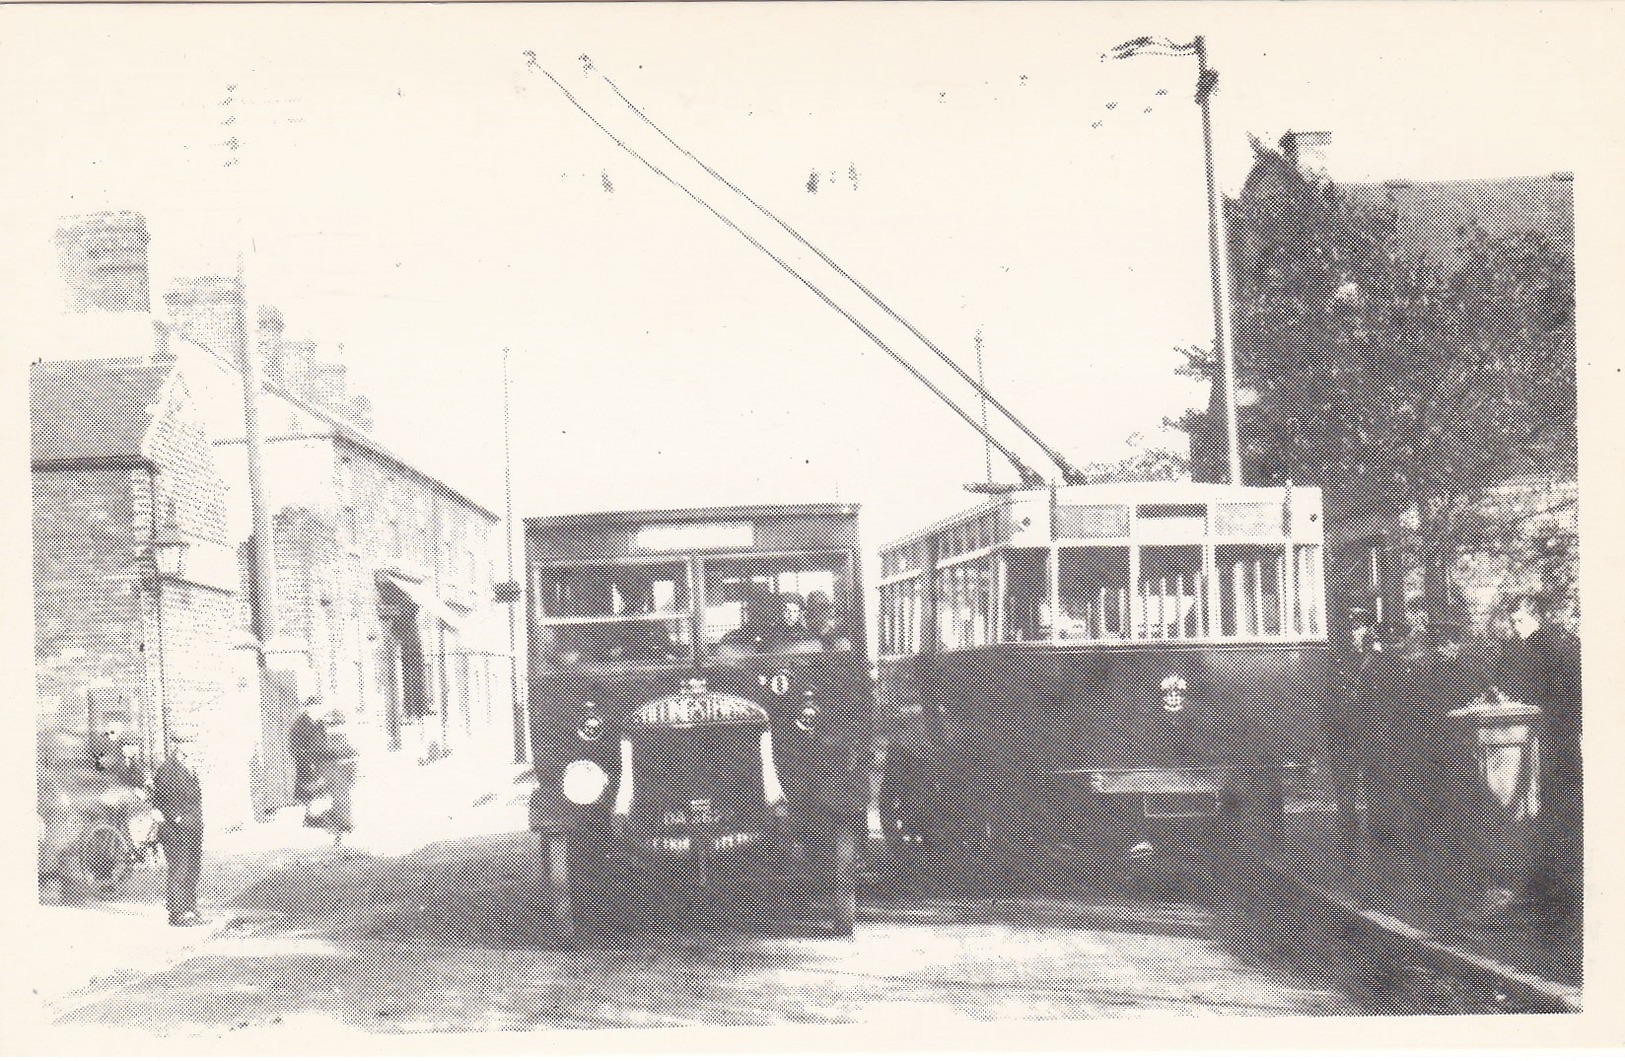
(209, 311)
(1310, 152)
(103, 258)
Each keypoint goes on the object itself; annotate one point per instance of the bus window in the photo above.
(1251, 584)
(760, 604)
(900, 617)
(1094, 592)
(1172, 592)
(1311, 595)
(965, 604)
(612, 614)
(1026, 594)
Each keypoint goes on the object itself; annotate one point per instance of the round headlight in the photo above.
(584, 782)
(591, 728)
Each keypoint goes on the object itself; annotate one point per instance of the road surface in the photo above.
(439, 940)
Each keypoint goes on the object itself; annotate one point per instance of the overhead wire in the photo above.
(1068, 472)
(1028, 475)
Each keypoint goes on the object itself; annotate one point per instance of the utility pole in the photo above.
(511, 587)
(261, 544)
(1207, 80)
(261, 540)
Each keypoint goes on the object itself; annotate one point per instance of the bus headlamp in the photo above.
(584, 782)
(591, 728)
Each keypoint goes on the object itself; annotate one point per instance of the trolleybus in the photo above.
(1101, 665)
(701, 708)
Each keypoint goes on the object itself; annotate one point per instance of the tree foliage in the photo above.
(1150, 462)
(1367, 368)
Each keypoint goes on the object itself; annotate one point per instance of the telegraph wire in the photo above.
(1029, 476)
(1070, 473)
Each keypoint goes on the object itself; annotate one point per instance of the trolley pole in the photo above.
(1207, 80)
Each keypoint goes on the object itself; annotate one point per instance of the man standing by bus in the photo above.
(1540, 665)
(177, 795)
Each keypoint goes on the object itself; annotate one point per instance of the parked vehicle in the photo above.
(95, 820)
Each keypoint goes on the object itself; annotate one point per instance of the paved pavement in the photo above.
(1422, 905)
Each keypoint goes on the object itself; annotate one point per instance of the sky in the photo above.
(408, 186)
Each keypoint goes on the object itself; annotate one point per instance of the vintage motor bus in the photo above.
(1102, 666)
(701, 707)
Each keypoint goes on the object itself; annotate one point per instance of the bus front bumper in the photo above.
(1162, 793)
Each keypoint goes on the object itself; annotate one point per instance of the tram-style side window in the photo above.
(1172, 593)
(1094, 592)
(1026, 594)
(1251, 589)
(1311, 591)
(900, 617)
(965, 604)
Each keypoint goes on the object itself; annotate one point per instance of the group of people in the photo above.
(1408, 717)
(324, 773)
(785, 622)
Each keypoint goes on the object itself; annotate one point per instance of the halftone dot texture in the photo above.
(982, 908)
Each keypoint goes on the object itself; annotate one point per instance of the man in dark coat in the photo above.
(177, 796)
(333, 776)
(307, 739)
(1540, 665)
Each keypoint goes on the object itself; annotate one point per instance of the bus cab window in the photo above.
(641, 613)
(760, 604)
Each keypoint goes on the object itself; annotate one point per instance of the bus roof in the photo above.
(1130, 493)
(635, 517)
(592, 537)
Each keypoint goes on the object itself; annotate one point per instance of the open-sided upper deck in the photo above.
(1110, 563)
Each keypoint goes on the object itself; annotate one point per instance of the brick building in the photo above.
(384, 572)
(134, 580)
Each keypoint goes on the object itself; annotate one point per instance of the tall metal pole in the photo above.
(519, 734)
(262, 614)
(264, 565)
(1219, 260)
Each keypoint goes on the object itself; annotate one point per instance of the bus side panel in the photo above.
(1019, 709)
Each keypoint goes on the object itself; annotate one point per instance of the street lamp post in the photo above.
(1207, 80)
(167, 551)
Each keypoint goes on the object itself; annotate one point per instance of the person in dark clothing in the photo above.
(306, 739)
(177, 795)
(824, 623)
(789, 627)
(1540, 665)
(1453, 804)
(333, 776)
